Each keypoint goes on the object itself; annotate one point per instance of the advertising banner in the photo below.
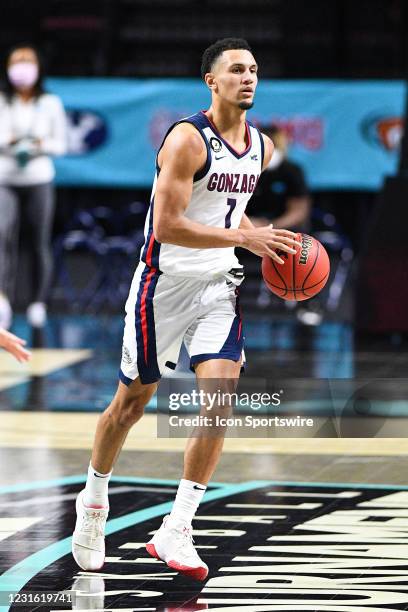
(345, 134)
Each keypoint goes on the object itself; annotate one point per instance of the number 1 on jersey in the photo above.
(231, 202)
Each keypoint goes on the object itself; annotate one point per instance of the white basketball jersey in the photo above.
(221, 191)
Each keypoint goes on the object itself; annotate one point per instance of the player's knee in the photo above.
(126, 411)
(131, 411)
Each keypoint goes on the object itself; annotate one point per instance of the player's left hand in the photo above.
(14, 345)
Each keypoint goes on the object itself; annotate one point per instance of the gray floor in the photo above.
(24, 465)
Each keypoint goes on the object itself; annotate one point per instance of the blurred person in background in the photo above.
(282, 195)
(32, 130)
(281, 198)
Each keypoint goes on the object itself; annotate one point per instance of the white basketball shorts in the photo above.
(162, 311)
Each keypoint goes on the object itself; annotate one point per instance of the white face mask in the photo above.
(23, 75)
(276, 160)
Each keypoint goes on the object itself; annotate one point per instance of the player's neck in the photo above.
(230, 123)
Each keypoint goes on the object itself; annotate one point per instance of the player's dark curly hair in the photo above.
(212, 53)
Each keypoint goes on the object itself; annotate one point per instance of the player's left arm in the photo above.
(268, 151)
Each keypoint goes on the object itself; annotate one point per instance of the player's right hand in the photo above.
(266, 241)
(14, 345)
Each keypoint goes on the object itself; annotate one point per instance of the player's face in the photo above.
(235, 77)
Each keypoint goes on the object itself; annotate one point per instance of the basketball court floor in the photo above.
(315, 521)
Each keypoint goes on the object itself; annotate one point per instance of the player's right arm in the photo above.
(182, 155)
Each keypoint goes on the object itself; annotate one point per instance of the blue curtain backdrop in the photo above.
(345, 134)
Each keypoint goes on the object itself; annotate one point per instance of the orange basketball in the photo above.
(302, 275)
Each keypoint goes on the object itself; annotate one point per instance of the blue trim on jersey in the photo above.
(148, 368)
(126, 381)
(233, 345)
(208, 123)
(155, 255)
(149, 232)
(262, 148)
(199, 123)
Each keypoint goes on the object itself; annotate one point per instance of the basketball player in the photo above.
(185, 289)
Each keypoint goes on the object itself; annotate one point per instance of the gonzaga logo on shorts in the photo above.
(87, 131)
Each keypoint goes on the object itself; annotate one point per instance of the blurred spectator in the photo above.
(14, 345)
(32, 129)
(281, 196)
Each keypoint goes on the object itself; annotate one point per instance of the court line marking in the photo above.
(43, 363)
(17, 576)
(78, 478)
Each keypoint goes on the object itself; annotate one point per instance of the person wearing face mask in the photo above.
(281, 196)
(32, 131)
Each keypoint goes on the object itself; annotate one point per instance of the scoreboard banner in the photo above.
(345, 134)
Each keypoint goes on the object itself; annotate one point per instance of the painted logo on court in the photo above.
(270, 546)
(86, 131)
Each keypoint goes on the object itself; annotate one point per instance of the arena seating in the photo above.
(164, 38)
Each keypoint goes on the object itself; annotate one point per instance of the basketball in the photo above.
(302, 275)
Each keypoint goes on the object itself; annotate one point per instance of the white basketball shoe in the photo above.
(88, 540)
(173, 544)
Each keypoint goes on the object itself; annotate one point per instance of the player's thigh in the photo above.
(136, 391)
(158, 312)
(218, 380)
(217, 376)
(217, 335)
(218, 368)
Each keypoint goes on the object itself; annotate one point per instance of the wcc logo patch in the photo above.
(215, 144)
(270, 547)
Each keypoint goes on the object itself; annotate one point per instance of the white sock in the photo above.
(188, 498)
(96, 489)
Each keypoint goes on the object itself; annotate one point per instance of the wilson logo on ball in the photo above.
(305, 250)
(302, 275)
